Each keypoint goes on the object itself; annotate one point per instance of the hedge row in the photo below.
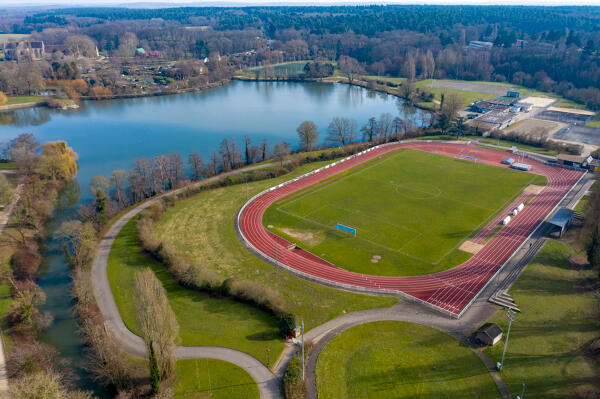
(197, 277)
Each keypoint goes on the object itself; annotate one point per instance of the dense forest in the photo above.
(548, 48)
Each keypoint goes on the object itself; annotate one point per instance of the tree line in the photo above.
(32, 366)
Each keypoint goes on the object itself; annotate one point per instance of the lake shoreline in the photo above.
(365, 84)
(13, 107)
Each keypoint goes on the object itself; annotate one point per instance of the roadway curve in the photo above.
(450, 291)
(268, 384)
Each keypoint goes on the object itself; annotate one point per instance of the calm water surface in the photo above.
(109, 135)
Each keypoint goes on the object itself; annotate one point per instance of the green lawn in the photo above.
(12, 100)
(8, 165)
(413, 209)
(508, 144)
(226, 380)
(13, 36)
(291, 68)
(396, 81)
(400, 360)
(201, 227)
(467, 96)
(203, 320)
(549, 341)
(595, 122)
(569, 104)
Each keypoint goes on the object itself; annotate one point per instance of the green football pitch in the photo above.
(411, 210)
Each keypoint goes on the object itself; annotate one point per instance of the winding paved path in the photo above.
(268, 384)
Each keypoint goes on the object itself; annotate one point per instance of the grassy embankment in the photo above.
(549, 348)
(400, 360)
(202, 228)
(413, 221)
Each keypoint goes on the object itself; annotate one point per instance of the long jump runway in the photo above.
(450, 291)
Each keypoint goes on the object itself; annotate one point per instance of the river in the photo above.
(109, 135)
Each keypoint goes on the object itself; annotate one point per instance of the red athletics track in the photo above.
(450, 291)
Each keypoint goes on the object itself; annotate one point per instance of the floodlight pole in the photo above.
(209, 384)
(302, 349)
(511, 316)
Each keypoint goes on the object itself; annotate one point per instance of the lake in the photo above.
(109, 135)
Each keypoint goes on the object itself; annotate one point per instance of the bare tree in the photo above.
(136, 185)
(264, 149)
(143, 168)
(24, 150)
(79, 241)
(101, 183)
(451, 106)
(409, 68)
(156, 320)
(307, 132)
(196, 165)
(214, 163)
(226, 153)
(350, 67)
(118, 182)
(341, 130)
(160, 175)
(247, 150)
(384, 127)
(397, 125)
(369, 130)
(281, 151)
(176, 173)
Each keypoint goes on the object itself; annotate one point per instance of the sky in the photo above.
(281, 2)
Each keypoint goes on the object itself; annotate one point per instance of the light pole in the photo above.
(522, 392)
(511, 316)
(209, 384)
(302, 349)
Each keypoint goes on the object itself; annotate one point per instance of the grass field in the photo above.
(226, 380)
(471, 91)
(8, 166)
(24, 99)
(292, 68)
(412, 208)
(549, 347)
(400, 360)
(595, 122)
(203, 320)
(508, 144)
(396, 81)
(12, 36)
(201, 227)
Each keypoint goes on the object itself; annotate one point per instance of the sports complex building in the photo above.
(449, 291)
